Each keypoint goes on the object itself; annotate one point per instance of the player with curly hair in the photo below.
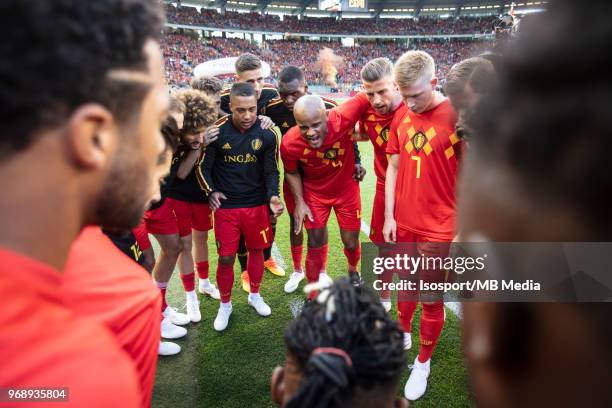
(343, 350)
(178, 217)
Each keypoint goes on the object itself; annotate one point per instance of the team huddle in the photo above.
(226, 167)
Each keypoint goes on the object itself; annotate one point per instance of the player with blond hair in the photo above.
(420, 195)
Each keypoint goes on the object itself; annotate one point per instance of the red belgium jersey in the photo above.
(101, 283)
(429, 152)
(377, 127)
(328, 170)
(43, 344)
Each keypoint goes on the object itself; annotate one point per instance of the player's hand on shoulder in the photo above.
(266, 122)
(276, 205)
(210, 135)
(359, 173)
(390, 230)
(301, 212)
(214, 200)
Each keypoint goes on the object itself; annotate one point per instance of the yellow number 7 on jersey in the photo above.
(418, 164)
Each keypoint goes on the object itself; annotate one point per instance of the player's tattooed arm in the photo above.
(301, 209)
(390, 227)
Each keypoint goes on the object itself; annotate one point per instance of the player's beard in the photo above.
(124, 196)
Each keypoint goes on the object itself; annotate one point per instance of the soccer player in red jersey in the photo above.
(420, 193)
(318, 156)
(240, 174)
(385, 100)
(291, 87)
(68, 156)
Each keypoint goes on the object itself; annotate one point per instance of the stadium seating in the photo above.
(182, 53)
(329, 25)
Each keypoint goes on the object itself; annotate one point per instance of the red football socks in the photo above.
(405, 312)
(255, 268)
(188, 282)
(314, 262)
(353, 258)
(162, 288)
(432, 320)
(225, 280)
(202, 268)
(324, 248)
(296, 256)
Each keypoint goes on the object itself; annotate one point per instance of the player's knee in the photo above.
(186, 245)
(315, 241)
(227, 259)
(351, 244)
(173, 248)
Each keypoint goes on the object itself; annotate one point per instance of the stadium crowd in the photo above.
(183, 53)
(329, 25)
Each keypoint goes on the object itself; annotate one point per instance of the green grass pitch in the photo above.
(232, 368)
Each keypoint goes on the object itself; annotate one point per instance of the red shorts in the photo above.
(289, 197)
(191, 215)
(347, 209)
(378, 216)
(142, 236)
(417, 245)
(161, 221)
(253, 223)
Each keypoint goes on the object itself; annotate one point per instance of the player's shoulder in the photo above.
(446, 113)
(274, 104)
(222, 121)
(269, 92)
(329, 103)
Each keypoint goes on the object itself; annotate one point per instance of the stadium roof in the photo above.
(374, 7)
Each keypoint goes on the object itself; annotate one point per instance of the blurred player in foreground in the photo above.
(81, 138)
(549, 164)
(325, 366)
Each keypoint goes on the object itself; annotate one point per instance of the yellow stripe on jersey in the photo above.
(200, 177)
(221, 121)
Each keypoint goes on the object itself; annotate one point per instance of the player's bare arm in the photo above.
(191, 158)
(301, 209)
(390, 227)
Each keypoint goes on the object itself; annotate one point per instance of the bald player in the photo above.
(318, 157)
(291, 87)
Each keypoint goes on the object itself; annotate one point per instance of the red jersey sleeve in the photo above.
(290, 160)
(393, 146)
(351, 111)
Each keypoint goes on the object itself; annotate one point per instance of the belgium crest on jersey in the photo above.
(331, 154)
(385, 134)
(256, 144)
(418, 141)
